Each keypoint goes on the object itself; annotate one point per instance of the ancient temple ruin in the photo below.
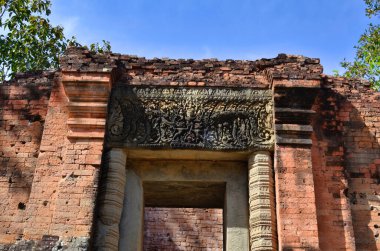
(118, 152)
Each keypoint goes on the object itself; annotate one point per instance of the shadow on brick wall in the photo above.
(362, 165)
(21, 119)
(22, 112)
(174, 229)
(346, 167)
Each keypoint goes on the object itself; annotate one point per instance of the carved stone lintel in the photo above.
(111, 201)
(203, 118)
(262, 224)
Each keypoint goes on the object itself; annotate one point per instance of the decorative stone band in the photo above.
(262, 214)
(190, 117)
(111, 201)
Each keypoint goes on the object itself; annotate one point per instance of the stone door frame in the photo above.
(196, 123)
(235, 206)
(291, 82)
(249, 227)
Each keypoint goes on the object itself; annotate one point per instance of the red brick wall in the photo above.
(327, 195)
(23, 107)
(346, 165)
(360, 116)
(183, 229)
(333, 208)
(65, 181)
(48, 182)
(64, 186)
(297, 223)
(42, 201)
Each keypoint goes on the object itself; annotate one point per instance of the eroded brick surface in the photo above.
(297, 223)
(346, 157)
(183, 229)
(51, 144)
(23, 107)
(65, 181)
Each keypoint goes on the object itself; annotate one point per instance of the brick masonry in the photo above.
(183, 229)
(23, 108)
(327, 155)
(346, 157)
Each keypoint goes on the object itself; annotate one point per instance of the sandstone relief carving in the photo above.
(206, 118)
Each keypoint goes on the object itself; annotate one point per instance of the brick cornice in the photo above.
(87, 93)
(293, 101)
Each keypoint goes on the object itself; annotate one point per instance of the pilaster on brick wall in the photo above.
(294, 95)
(327, 157)
(66, 178)
(47, 174)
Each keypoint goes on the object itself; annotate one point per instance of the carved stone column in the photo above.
(262, 214)
(111, 201)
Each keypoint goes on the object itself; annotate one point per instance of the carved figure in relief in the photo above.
(117, 118)
(188, 117)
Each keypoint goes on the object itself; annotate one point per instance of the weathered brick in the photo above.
(326, 195)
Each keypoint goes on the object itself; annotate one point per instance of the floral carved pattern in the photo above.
(204, 118)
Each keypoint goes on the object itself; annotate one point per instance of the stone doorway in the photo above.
(186, 183)
(171, 145)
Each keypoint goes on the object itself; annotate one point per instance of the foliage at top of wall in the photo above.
(367, 60)
(28, 41)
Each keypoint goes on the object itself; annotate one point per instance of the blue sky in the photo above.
(223, 29)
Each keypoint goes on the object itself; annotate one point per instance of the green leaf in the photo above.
(367, 60)
(28, 41)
